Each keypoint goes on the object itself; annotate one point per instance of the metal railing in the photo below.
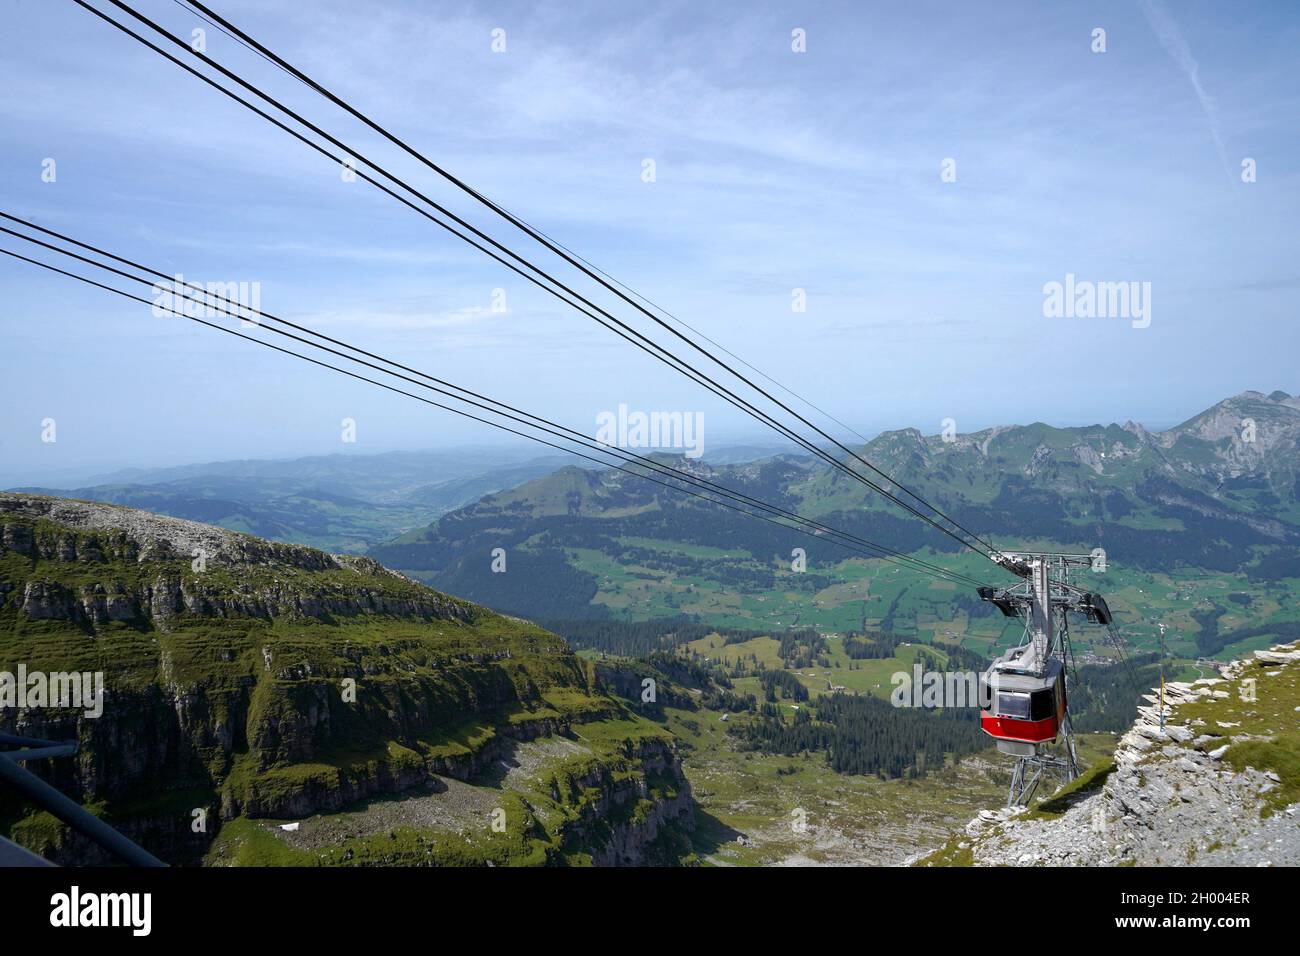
(55, 802)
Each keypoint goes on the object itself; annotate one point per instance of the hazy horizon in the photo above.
(508, 448)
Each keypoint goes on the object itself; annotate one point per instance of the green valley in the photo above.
(1196, 528)
(318, 709)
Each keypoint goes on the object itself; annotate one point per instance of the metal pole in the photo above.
(11, 854)
(42, 753)
(11, 740)
(1162, 678)
(72, 813)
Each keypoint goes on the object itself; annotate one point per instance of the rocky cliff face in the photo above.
(253, 680)
(1218, 785)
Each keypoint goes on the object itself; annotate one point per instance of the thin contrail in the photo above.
(1171, 38)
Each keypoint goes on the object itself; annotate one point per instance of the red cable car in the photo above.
(1019, 708)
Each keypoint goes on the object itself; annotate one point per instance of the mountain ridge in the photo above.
(592, 543)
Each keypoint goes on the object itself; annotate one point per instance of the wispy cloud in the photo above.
(1171, 38)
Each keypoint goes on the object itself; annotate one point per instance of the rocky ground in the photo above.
(155, 536)
(1216, 786)
(450, 805)
(760, 809)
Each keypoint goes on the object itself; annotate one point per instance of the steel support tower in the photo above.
(1044, 601)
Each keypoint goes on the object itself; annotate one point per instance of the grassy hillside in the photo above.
(795, 758)
(1200, 525)
(275, 682)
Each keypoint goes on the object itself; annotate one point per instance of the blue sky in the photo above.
(774, 171)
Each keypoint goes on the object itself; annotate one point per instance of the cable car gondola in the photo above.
(1019, 707)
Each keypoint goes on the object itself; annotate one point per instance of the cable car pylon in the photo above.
(1023, 695)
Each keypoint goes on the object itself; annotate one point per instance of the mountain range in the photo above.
(1199, 523)
(337, 502)
(322, 709)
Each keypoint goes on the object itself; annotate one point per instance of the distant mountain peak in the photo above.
(1269, 419)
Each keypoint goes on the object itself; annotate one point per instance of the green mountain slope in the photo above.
(1200, 525)
(265, 682)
